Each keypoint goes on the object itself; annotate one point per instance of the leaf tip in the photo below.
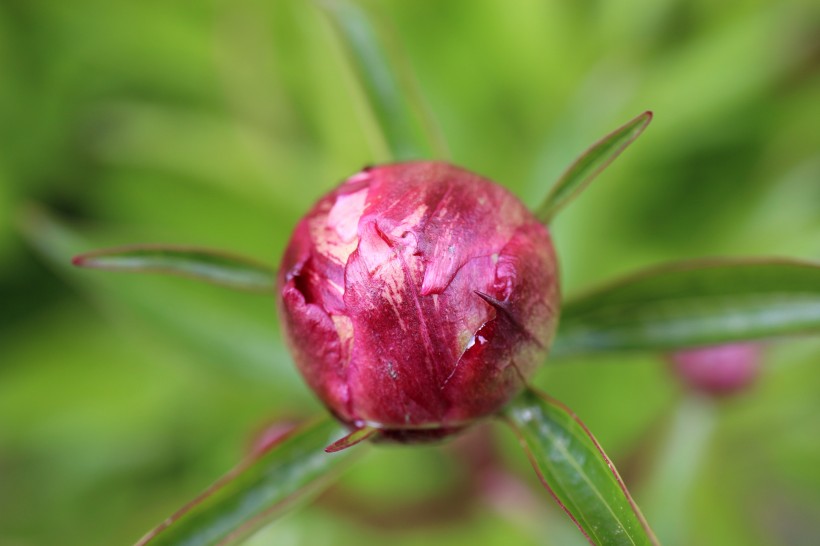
(88, 260)
(638, 125)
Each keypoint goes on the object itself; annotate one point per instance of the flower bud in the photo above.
(418, 297)
(720, 370)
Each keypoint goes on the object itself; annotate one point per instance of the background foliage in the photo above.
(219, 123)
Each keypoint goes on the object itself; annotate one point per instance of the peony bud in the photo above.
(418, 297)
(720, 370)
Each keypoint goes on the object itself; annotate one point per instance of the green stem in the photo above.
(671, 481)
(406, 124)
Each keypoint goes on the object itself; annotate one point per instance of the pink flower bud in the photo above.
(418, 297)
(720, 370)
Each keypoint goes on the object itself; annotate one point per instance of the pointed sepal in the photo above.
(356, 436)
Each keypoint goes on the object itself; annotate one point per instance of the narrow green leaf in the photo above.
(202, 264)
(576, 471)
(258, 491)
(247, 352)
(387, 82)
(703, 302)
(591, 163)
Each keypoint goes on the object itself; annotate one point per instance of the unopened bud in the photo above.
(418, 297)
(720, 370)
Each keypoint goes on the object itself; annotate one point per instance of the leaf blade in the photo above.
(695, 303)
(577, 472)
(589, 165)
(257, 491)
(197, 263)
(247, 352)
(407, 126)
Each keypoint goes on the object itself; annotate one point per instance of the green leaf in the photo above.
(258, 491)
(591, 163)
(703, 302)
(387, 82)
(576, 471)
(197, 320)
(202, 264)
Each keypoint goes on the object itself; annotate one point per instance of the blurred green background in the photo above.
(218, 123)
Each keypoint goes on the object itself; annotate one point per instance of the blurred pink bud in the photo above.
(718, 370)
(270, 435)
(418, 297)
